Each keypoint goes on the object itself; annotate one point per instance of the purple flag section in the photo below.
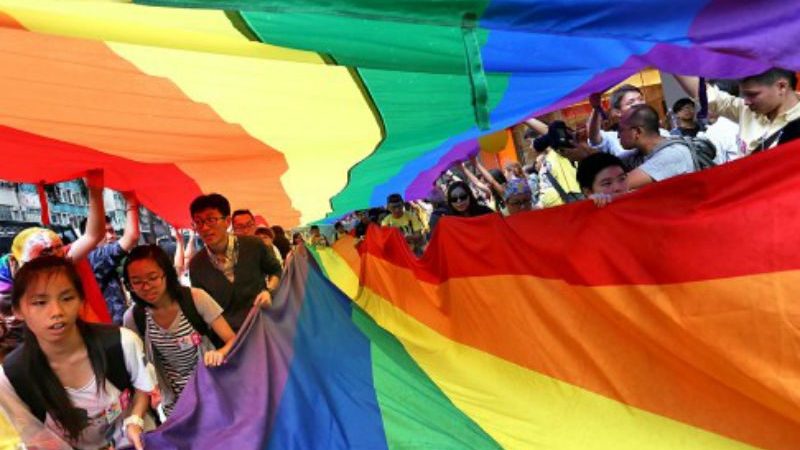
(233, 407)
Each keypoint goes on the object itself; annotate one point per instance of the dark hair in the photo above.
(85, 220)
(593, 164)
(474, 208)
(281, 241)
(160, 257)
(773, 75)
(315, 227)
(210, 201)
(616, 96)
(55, 398)
(297, 235)
(265, 231)
(394, 198)
(680, 103)
(644, 116)
(337, 225)
(242, 212)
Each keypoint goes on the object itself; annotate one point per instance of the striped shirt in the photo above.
(177, 349)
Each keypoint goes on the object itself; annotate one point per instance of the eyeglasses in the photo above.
(244, 226)
(210, 221)
(459, 198)
(150, 280)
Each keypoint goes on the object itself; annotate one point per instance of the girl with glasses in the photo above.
(180, 326)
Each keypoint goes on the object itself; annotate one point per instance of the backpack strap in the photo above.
(111, 338)
(140, 319)
(19, 377)
(789, 132)
(565, 196)
(117, 374)
(186, 302)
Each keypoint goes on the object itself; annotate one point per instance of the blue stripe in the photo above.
(329, 401)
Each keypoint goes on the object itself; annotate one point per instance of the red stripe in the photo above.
(734, 220)
(160, 187)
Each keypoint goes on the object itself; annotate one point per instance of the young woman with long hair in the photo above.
(71, 384)
(180, 326)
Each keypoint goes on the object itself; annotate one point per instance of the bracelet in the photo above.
(133, 419)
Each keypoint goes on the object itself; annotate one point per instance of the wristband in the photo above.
(134, 419)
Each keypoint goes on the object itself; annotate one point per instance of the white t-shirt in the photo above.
(724, 133)
(105, 411)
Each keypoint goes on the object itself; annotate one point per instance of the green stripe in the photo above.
(416, 414)
(418, 78)
(411, 56)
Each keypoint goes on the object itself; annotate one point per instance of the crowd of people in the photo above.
(67, 379)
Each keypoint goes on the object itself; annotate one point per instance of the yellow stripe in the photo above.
(339, 272)
(297, 109)
(522, 409)
(116, 21)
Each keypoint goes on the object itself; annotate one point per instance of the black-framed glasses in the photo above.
(244, 226)
(150, 280)
(210, 221)
(459, 198)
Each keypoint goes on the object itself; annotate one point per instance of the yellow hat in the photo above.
(33, 242)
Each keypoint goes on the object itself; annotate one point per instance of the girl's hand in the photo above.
(213, 358)
(601, 200)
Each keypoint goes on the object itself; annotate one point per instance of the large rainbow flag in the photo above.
(306, 109)
(667, 320)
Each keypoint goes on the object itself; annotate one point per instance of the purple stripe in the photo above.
(670, 58)
(773, 27)
(234, 406)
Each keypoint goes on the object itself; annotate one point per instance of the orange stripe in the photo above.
(346, 248)
(729, 365)
(80, 91)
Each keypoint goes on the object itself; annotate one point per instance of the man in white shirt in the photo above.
(622, 99)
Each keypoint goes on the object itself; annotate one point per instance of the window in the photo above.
(5, 212)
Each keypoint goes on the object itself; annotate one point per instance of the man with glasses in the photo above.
(658, 158)
(684, 113)
(244, 223)
(233, 269)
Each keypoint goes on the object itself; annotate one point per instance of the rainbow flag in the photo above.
(303, 110)
(666, 320)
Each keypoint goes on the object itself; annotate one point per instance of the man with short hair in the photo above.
(659, 158)
(622, 99)
(232, 269)
(405, 221)
(684, 112)
(244, 223)
(106, 258)
(768, 111)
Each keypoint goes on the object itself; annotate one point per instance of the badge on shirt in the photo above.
(189, 341)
